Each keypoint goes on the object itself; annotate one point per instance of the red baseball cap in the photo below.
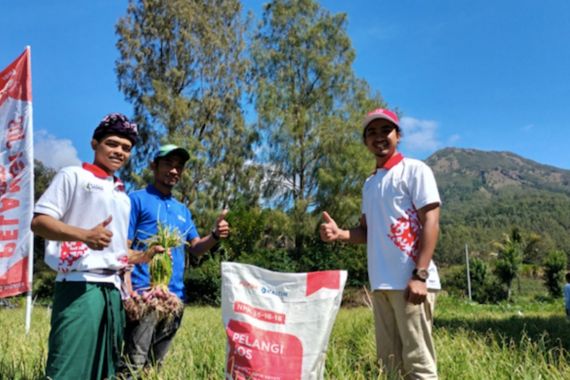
(381, 113)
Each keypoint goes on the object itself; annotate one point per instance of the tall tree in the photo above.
(555, 266)
(182, 65)
(304, 88)
(510, 258)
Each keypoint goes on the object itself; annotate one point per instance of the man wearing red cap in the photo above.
(400, 225)
(84, 217)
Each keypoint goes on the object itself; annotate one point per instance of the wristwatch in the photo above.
(421, 274)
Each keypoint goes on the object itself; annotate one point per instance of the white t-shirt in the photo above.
(390, 200)
(84, 197)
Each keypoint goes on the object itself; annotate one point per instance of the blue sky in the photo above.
(489, 75)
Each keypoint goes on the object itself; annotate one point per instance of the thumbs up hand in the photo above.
(222, 228)
(99, 237)
(329, 230)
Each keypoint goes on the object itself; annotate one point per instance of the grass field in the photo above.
(530, 340)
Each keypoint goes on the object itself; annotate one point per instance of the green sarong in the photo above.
(86, 331)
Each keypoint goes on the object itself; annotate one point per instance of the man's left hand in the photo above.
(416, 291)
(222, 228)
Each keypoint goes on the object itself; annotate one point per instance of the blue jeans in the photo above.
(146, 343)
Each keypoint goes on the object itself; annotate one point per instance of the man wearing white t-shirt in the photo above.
(400, 225)
(84, 217)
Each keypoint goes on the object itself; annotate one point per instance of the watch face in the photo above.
(422, 274)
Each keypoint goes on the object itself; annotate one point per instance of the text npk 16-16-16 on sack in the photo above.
(278, 324)
(158, 298)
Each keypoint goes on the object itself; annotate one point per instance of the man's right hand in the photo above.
(99, 237)
(140, 257)
(329, 230)
(155, 249)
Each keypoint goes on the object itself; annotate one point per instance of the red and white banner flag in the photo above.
(16, 176)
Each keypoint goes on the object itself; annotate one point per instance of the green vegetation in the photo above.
(526, 340)
(488, 194)
(509, 260)
(554, 272)
(44, 278)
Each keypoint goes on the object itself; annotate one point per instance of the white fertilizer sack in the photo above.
(278, 324)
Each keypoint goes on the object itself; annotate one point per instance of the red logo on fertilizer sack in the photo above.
(329, 279)
(256, 354)
(261, 314)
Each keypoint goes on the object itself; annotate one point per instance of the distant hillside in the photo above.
(493, 171)
(486, 194)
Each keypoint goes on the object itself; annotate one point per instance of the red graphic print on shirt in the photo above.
(404, 233)
(124, 259)
(69, 253)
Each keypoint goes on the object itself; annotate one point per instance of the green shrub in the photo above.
(204, 282)
(554, 271)
(272, 259)
(43, 285)
(492, 291)
(484, 288)
(454, 280)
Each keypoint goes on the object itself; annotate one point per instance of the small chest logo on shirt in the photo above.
(181, 218)
(93, 187)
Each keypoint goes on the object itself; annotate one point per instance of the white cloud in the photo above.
(528, 127)
(453, 139)
(53, 152)
(419, 135)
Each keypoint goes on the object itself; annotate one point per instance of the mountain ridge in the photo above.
(486, 194)
(496, 169)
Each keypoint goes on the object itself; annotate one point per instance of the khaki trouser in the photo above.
(404, 341)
